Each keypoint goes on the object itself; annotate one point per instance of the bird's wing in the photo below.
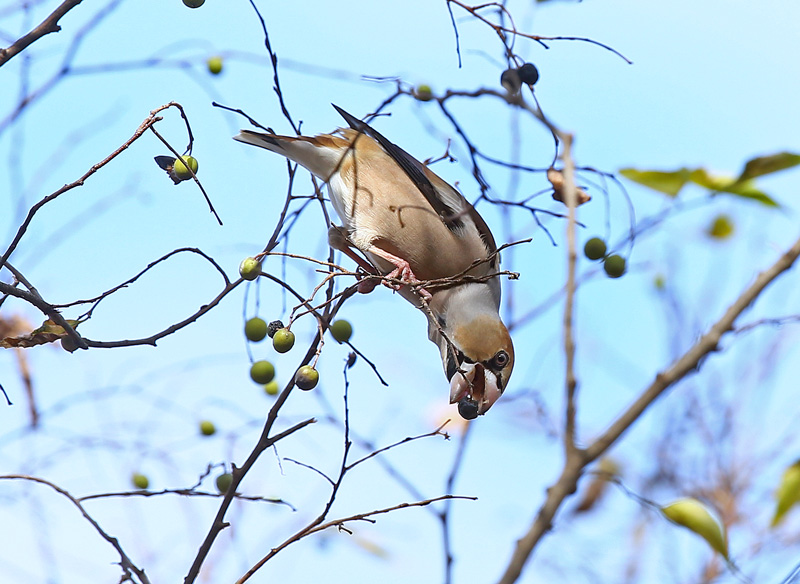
(447, 202)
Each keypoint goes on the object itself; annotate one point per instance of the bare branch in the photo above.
(340, 523)
(47, 26)
(688, 362)
(127, 564)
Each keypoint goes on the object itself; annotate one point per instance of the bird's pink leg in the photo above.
(338, 239)
(402, 269)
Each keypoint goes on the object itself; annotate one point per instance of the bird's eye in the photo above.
(500, 360)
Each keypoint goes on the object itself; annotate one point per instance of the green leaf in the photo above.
(788, 493)
(768, 164)
(667, 182)
(723, 184)
(671, 182)
(693, 515)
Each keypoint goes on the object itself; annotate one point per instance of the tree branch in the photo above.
(689, 361)
(48, 25)
(125, 562)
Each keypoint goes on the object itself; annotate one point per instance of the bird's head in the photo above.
(479, 356)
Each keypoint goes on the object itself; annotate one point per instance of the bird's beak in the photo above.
(477, 387)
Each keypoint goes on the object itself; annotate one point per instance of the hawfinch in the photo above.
(415, 227)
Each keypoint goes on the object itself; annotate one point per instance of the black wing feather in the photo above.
(413, 169)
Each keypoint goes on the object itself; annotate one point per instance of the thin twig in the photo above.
(340, 523)
(125, 562)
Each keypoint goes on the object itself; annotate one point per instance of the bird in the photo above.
(411, 225)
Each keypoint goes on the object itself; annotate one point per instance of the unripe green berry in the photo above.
(181, 169)
(423, 92)
(306, 378)
(262, 372)
(214, 65)
(595, 249)
(614, 265)
(721, 227)
(271, 388)
(140, 481)
(224, 482)
(341, 330)
(250, 269)
(255, 329)
(283, 340)
(207, 428)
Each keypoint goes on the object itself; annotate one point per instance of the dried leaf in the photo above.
(47, 333)
(556, 178)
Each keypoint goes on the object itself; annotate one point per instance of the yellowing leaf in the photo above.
(788, 493)
(694, 516)
(667, 182)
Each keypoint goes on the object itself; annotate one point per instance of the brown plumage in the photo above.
(413, 225)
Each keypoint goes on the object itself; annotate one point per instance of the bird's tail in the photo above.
(321, 155)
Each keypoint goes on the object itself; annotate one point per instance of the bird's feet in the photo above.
(403, 272)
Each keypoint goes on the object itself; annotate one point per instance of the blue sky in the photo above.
(712, 84)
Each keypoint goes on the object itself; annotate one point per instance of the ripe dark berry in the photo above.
(528, 73)
(468, 408)
(274, 327)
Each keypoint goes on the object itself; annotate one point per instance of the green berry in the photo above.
(194, 3)
(306, 378)
(595, 249)
(207, 428)
(721, 227)
(271, 388)
(341, 330)
(283, 340)
(423, 92)
(140, 481)
(262, 372)
(614, 265)
(224, 482)
(181, 169)
(255, 329)
(250, 268)
(214, 65)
